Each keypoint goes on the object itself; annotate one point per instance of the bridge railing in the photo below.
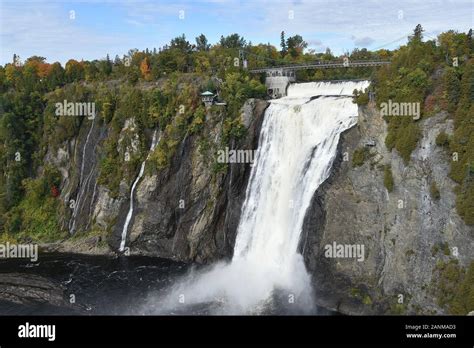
(322, 65)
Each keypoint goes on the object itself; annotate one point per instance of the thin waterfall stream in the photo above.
(154, 142)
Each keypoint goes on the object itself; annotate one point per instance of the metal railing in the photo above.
(323, 65)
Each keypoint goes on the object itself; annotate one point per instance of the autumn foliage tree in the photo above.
(42, 68)
(145, 69)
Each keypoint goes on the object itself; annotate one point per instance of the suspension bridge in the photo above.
(278, 77)
(321, 65)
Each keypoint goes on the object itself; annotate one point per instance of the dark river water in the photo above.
(102, 285)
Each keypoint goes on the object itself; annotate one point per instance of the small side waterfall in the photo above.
(82, 184)
(297, 146)
(154, 142)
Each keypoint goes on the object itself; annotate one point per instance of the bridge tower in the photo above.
(277, 81)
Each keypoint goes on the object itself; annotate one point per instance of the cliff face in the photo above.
(405, 233)
(185, 212)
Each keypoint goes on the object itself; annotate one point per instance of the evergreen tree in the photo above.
(453, 88)
(283, 44)
(181, 43)
(417, 34)
(470, 44)
(201, 43)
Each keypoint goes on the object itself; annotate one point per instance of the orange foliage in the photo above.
(42, 69)
(145, 68)
(39, 65)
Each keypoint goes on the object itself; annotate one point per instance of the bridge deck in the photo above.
(322, 65)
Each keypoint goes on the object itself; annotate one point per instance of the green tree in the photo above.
(417, 34)
(201, 43)
(452, 86)
(296, 45)
(232, 41)
(283, 46)
(181, 44)
(56, 76)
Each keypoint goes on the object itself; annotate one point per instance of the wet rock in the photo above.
(399, 229)
(186, 212)
(31, 289)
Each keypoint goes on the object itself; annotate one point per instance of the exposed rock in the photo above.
(186, 212)
(30, 289)
(399, 229)
(106, 208)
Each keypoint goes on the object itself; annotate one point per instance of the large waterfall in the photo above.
(297, 146)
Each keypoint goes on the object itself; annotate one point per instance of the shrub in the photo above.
(442, 139)
(388, 178)
(359, 156)
(36, 216)
(465, 202)
(360, 98)
(455, 287)
(407, 139)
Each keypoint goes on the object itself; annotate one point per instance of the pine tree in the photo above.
(283, 44)
(201, 43)
(417, 34)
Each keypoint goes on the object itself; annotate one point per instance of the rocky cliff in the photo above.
(190, 212)
(406, 233)
(187, 211)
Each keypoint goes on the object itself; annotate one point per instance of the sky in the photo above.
(90, 29)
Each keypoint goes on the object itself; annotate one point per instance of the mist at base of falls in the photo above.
(297, 146)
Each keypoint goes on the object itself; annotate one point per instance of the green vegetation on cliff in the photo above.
(388, 178)
(455, 287)
(426, 73)
(161, 89)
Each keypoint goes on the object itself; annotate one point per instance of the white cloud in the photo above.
(43, 28)
(362, 41)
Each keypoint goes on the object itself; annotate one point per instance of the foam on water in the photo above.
(297, 146)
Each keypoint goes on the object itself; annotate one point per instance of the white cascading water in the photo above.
(154, 142)
(297, 146)
(72, 221)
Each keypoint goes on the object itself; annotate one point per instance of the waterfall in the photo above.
(72, 221)
(297, 146)
(154, 142)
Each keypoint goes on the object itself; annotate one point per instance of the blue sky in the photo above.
(99, 27)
